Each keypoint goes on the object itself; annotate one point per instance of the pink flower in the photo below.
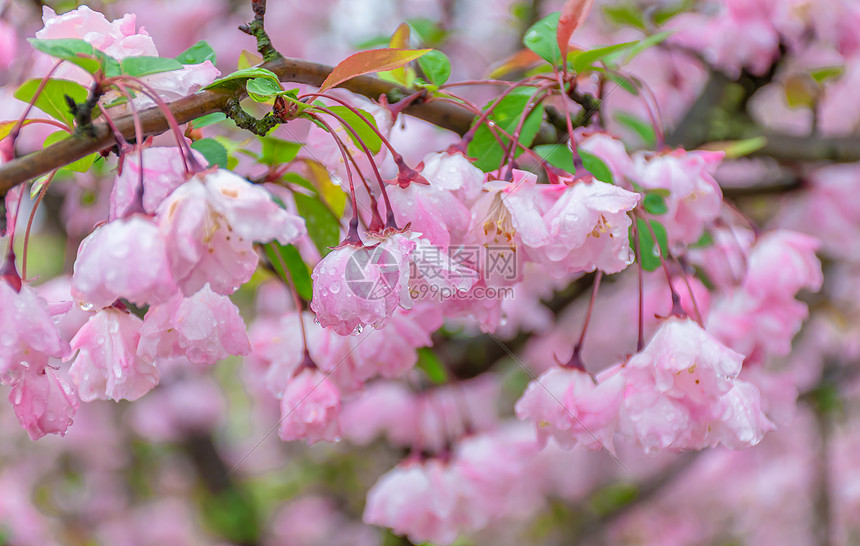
(204, 328)
(432, 211)
(588, 227)
(8, 45)
(123, 259)
(417, 500)
(163, 172)
(694, 197)
(310, 409)
(454, 173)
(781, 263)
(44, 403)
(28, 336)
(509, 213)
(358, 286)
(210, 224)
(120, 39)
(107, 366)
(570, 406)
(611, 151)
(678, 393)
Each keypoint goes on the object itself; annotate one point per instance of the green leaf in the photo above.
(704, 241)
(323, 227)
(506, 115)
(625, 15)
(638, 126)
(73, 50)
(430, 364)
(209, 119)
(436, 66)
(647, 43)
(196, 54)
(427, 30)
(235, 79)
(649, 253)
(584, 60)
(297, 271)
(541, 38)
(262, 89)
(737, 148)
(825, 73)
(276, 151)
(623, 82)
(214, 152)
(654, 203)
(557, 155)
(611, 498)
(365, 132)
(52, 99)
(321, 184)
(596, 166)
(82, 165)
(143, 66)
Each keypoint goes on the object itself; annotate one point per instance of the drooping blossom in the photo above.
(203, 328)
(694, 197)
(682, 388)
(163, 171)
(127, 259)
(357, 286)
(588, 227)
(419, 500)
(310, 407)
(44, 403)
(210, 224)
(28, 335)
(570, 406)
(107, 366)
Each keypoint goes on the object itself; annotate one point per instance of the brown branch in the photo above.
(188, 108)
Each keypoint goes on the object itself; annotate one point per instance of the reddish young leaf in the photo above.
(573, 14)
(521, 60)
(400, 38)
(365, 62)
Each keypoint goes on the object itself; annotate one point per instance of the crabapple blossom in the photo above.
(203, 328)
(310, 408)
(163, 171)
(588, 227)
(120, 39)
(357, 286)
(682, 389)
(106, 365)
(210, 223)
(570, 406)
(28, 335)
(126, 258)
(44, 403)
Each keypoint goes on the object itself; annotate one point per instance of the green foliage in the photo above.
(239, 77)
(643, 129)
(276, 151)
(557, 155)
(430, 364)
(231, 514)
(583, 61)
(78, 52)
(541, 38)
(209, 119)
(655, 204)
(596, 166)
(649, 252)
(82, 165)
(52, 99)
(436, 67)
(323, 227)
(485, 148)
(262, 89)
(612, 497)
(196, 54)
(297, 273)
(144, 66)
(214, 152)
(365, 132)
(625, 15)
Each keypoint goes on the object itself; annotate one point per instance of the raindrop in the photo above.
(86, 306)
(335, 288)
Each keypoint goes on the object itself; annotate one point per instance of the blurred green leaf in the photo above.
(596, 166)
(541, 38)
(557, 155)
(365, 132)
(649, 252)
(214, 152)
(276, 151)
(297, 273)
(638, 126)
(323, 227)
(430, 364)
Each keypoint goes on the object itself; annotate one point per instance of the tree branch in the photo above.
(188, 108)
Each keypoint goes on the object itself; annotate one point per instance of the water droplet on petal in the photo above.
(86, 306)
